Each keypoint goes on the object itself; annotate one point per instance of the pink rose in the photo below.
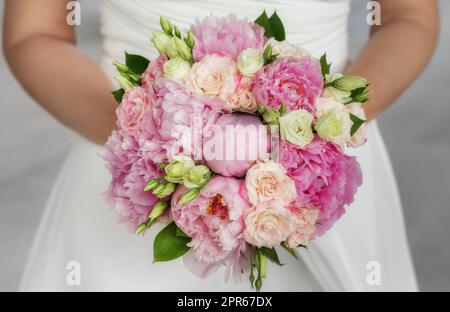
(214, 220)
(267, 182)
(214, 76)
(306, 227)
(131, 110)
(269, 226)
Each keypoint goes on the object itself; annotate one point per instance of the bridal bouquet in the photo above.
(235, 139)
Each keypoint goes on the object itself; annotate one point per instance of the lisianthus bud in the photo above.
(190, 41)
(183, 50)
(166, 25)
(164, 190)
(189, 196)
(121, 68)
(158, 209)
(335, 126)
(250, 61)
(295, 127)
(171, 49)
(337, 94)
(176, 68)
(271, 116)
(197, 176)
(176, 170)
(161, 41)
(151, 185)
(177, 32)
(349, 83)
(124, 82)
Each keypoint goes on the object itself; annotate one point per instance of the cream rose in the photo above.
(325, 104)
(305, 228)
(286, 49)
(266, 181)
(213, 76)
(176, 68)
(296, 128)
(242, 99)
(269, 226)
(360, 136)
(250, 61)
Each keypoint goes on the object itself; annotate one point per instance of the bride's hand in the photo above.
(40, 49)
(398, 50)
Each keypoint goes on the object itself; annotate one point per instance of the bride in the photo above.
(79, 246)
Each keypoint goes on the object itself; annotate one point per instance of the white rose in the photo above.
(250, 61)
(335, 126)
(176, 68)
(360, 136)
(160, 40)
(269, 226)
(295, 127)
(286, 49)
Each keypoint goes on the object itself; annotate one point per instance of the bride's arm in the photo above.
(398, 50)
(40, 49)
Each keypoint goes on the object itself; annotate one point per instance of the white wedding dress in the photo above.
(366, 250)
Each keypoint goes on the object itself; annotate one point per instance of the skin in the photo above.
(75, 90)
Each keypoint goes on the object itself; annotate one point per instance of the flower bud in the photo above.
(157, 210)
(121, 68)
(271, 116)
(190, 40)
(349, 83)
(151, 185)
(171, 49)
(176, 170)
(164, 190)
(189, 196)
(124, 82)
(261, 109)
(161, 41)
(183, 50)
(177, 32)
(176, 68)
(268, 55)
(166, 25)
(197, 176)
(141, 228)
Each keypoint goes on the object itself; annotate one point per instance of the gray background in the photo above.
(416, 130)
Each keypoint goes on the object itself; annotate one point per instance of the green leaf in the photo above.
(136, 63)
(271, 254)
(357, 123)
(264, 21)
(273, 27)
(277, 27)
(290, 250)
(180, 233)
(168, 245)
(325, 65)
(118, 95)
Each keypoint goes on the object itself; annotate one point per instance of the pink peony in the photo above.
(234, 144)
(215, 222)
(177, 121)
(131, 111)
(325, 178)
(130, 172)
(294, 82)
(227, 36)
